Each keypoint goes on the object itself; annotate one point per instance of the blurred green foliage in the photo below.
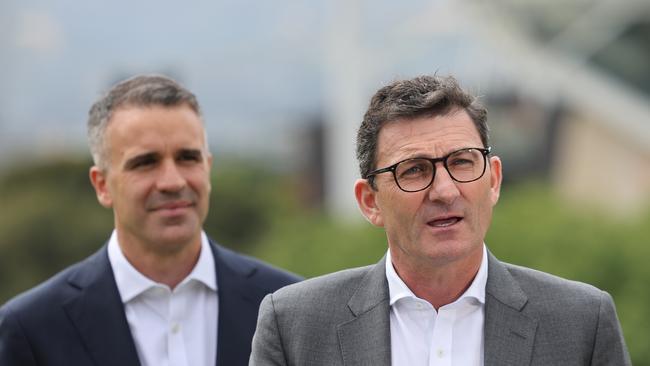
(51, 218)
(534, 228)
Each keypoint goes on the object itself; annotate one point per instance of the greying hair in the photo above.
(138, 91)
(422, 96)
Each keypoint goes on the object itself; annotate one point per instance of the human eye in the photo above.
(414, 168)
(190, 156)
(463, 158)
(460, 162)
(141, 162)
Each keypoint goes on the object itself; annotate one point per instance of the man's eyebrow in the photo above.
(140, 159)
(191, 151)
(197, 153)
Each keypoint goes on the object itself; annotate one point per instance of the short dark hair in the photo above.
(138, 91)
(409, 99)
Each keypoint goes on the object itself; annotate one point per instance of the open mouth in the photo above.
(445, 222)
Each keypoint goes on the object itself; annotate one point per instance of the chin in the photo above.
(449, 251)
(176, 237)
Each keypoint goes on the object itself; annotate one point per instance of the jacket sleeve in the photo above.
(609, 347)
(267, 347)
(14, 346)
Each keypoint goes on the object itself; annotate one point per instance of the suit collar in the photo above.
(365, 339)
(502, 286)
(509, 334)
(98, 314)
(398, 290)
(132, 283)
(372, 290)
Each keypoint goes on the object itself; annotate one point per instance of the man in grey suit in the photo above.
(438, 297)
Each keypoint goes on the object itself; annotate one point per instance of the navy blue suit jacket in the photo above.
(77, 317)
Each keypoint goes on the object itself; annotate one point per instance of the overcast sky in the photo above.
(258, 67)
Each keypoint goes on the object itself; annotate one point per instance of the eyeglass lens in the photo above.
(463, 166)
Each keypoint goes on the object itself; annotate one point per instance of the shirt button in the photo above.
(175, 328)
(440, 353)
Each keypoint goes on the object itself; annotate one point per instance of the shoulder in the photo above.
(332, 282)
(312, 308)
(552, 298)
(300, 323)
(41, 300)
(550, 288)
(572, 318)
(327, 291)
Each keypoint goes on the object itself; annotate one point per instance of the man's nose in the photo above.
(171, 178)
(443, 188)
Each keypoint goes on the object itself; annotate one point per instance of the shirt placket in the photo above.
(441, 341)
(175, 339)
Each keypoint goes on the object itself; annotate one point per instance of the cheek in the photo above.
(402, 210)
(200, 183)
(133, 190)
(478, 203)
(484, 211)
(197, 177)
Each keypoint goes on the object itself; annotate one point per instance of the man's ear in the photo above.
(208, 158)
(209, 169)
(98, 178)
(495, 178)
(367, 201)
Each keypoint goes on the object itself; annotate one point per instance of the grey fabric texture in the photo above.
(531, 318)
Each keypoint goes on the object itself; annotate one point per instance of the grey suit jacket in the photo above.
(531, 318)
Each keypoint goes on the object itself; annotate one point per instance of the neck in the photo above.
(169, 267)
(439, 284)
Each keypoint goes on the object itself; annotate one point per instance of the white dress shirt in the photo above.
(170, 327)
(452, 336)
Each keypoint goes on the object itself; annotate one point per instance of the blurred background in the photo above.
(284, 85)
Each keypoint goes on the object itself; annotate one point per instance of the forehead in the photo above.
(430, 136)
(154, 119)
(154, 125)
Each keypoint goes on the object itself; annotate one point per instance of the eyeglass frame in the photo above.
(484, 151)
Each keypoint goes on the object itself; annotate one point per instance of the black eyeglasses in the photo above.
(416, 174)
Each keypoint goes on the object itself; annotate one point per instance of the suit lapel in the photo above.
(365, 340)
(239, 299)
(509, 334)
(98, 313)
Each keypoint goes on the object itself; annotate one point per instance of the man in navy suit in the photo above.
(159, 292)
